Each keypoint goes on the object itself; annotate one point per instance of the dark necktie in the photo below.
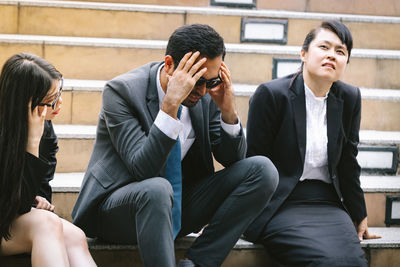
(173, 173)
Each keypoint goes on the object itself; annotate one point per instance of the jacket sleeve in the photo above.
(143, 154)
(349, 169)
(47, 152)
(227, 149)
(34, 171)
(261, 122)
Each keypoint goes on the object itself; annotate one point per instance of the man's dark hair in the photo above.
(195, 37)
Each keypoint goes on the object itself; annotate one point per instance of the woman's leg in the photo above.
(40, 233)
(76, 245)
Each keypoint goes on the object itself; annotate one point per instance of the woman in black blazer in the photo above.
(308, 124)
(30, 96)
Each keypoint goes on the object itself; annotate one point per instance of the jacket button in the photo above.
(341, 199)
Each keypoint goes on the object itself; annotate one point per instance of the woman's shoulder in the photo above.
(277, 87)
(345, 90)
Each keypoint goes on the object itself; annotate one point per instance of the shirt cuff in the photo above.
(168, 125)
(231, 129)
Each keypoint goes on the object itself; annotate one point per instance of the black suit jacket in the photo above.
(129, 147)
(276, 129)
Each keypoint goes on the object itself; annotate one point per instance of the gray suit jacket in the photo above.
(130, 148)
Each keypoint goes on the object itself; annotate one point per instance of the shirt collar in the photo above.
(310, 94)
(160, 91)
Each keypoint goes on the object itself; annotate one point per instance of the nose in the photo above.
(59, 102)
(202, 90)
(331, 54)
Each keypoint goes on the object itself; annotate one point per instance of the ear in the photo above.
(303, 55)
(169, 65)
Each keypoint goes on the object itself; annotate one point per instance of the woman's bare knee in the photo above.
(74, 237)
(28, 228)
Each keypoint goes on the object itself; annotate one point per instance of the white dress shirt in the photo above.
(316, 158)
(183, 127)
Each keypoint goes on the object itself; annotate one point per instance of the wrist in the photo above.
(230, 117)
(33, 149)
(170, 108)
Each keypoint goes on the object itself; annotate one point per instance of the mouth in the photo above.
(194, 98)
(329, 65)
(56, 112)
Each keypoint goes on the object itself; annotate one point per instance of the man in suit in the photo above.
(126, 195)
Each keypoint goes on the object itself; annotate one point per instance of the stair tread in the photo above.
(211, 10)
(71, 182)
(89, 131)
(240, 89)
(161, 44)
(390, 238)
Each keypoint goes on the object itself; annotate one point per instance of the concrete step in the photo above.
(379, 252)
(117, 20)
(66, 187)
(82, 103)
(76, 143)
(383, 8)
(105, 58)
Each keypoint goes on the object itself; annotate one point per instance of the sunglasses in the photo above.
(209, 83)
(54, 103)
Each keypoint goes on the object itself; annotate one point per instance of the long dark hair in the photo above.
(24, 78)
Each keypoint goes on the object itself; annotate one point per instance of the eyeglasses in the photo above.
(54, 103)
(209, 83)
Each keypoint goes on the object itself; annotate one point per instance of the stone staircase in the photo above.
(91, 43)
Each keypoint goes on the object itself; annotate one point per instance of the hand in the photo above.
(224, 96)
(182, 81)
(362, 230)
(35, 128)
(42, 203)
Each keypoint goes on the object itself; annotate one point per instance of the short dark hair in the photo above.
(195, 37)
(337, 28)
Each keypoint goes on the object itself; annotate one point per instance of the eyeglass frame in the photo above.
(54, 103)
(209, 83)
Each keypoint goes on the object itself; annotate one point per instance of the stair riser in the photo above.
(145, 25)
(82, 107)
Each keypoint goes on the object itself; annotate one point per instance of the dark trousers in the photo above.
(312, 229)
(227, 202)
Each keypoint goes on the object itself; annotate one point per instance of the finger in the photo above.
(44, 112)
(40, 205)
(183, 60)
(197, 66)
(226, 68)
(371, 236)
(52, 208)
(191, 61)
(360, 235)
(199, 74)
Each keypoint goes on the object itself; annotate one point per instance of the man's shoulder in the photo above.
(133, 78)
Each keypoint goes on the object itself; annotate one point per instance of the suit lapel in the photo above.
(152, 93)
(299, 113)
(334, 121)
(197, 118)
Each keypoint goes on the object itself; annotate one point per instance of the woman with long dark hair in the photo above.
(30, 96)
(308, 124)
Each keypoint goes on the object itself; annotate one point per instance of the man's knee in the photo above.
(265, 172)
(157, 192)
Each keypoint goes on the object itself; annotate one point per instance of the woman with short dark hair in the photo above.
(30, 96)
(308, 124)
